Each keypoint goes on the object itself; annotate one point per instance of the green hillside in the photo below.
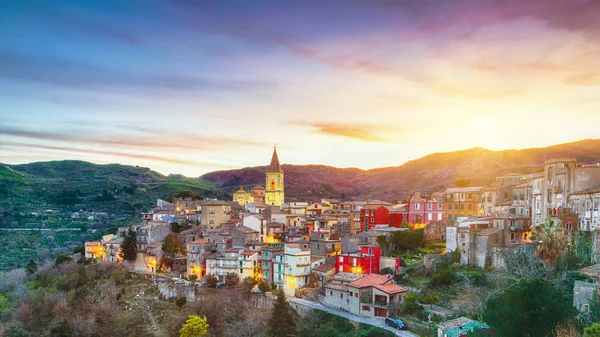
(46, 194)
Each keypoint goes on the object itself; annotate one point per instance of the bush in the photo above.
(180, 302)
(232, 280)
(386, 270)
(264, 287)
(120, 276)
(411, 303)
(249, 283)
(62, 258)
(442, 278)
(211, 280)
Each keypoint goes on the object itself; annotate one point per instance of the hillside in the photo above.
(428, 174)
(74, 185)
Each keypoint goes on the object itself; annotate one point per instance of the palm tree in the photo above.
(552, 242)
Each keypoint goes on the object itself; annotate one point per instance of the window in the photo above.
(351, 294)
(470, 206)
(449, 217)
(417, 205)
(455, 206)
(366, 308)
(266, 274)
(356, 295)
(440, 206)
(512, 236)
(449, 206)
(462, 206)
(429, 216)
(439, 216)
(470, 196)
(241, 271)
(429, 206)
(212, 210)
(330, 293)
(341, 295)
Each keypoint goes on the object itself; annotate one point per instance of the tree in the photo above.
(62, 329)
(282, 322)
(193, 277)
(195, 326)
(411, 303)
(386, 271)
(62, 258)
(171, 245)
(180, 302)
(249, 283)
(430, 299)
(232, 280)
(32, 266)
(128, 250)
(406, 240)
(592, 331)
(552, 242)
(211, 280)
(16, 332)
(531, 307)
(264, 287)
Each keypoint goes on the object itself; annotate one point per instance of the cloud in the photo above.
(162, 159)
(584, 79)
(365, 132)
(152, 139)
(74, 74)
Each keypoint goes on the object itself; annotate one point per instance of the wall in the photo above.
(451, 239)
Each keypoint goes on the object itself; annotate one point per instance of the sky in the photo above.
(192, 86)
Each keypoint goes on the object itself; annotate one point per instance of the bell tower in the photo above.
(274, 186)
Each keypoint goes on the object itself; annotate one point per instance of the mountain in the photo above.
(73, 185)
(434, 172)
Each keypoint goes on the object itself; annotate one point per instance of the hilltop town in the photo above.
(372, 259)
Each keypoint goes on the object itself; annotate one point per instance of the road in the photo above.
(378, 322)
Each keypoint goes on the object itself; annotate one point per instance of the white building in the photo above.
(239, 261)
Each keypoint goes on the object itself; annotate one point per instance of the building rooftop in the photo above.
(463, 189)
(381, 282)
(324, 268)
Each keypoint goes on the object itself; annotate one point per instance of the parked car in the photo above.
(220, 284)
(204, 284)
(395, 322)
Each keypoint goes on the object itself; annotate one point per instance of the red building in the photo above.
(366, 261)
(398, 215)
(372, 215)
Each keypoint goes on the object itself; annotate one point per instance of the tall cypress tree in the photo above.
(283, 320)
(128, 247)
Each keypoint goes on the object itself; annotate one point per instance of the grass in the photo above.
(416, 255)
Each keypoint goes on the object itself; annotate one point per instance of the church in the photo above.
(273, 192)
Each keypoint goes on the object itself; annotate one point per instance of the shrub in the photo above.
(211, 280)
(264, 287)
(232, 280)
(442, 278)
(180, 302)
(62, 258)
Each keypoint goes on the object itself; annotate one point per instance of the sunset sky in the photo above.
(194, 86)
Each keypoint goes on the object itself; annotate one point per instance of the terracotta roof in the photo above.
(249, 252)
(390, 288)
(325, 267)
(94, 243)
(378, 281)
(316, 258)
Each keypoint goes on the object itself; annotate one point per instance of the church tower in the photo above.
(274, 190)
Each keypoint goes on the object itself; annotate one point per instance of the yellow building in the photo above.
(243, 197)
(274, 194)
